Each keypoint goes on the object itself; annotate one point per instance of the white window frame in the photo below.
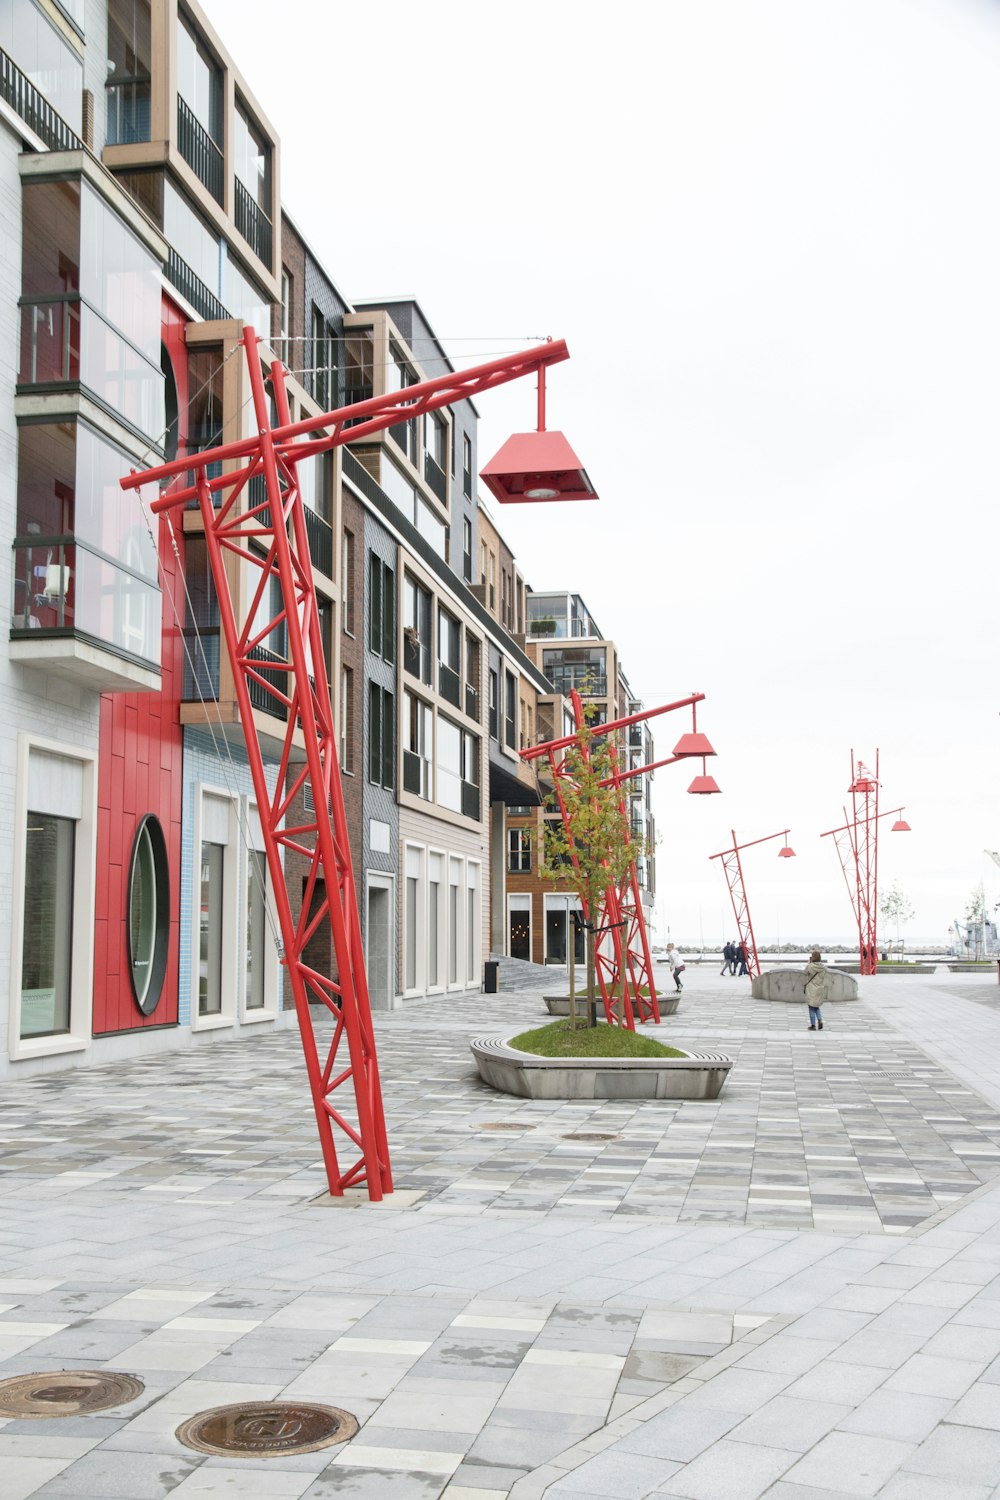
(458, 936)
(442, 923)
(81, 1011)
(420, 921)
(234, 891)
(251, 1015)
(474, 936)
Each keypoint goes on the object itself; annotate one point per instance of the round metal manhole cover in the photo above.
(266, 1429)
(503, 1125)
(592, 1135)
(66, 1393)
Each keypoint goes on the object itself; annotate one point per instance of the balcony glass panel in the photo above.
(449, 764)
(129, 64)
(119, 277)
(45, 58)
(191, 238)
(67, 341)
(244, 300)
(199, 81)
(65, 587)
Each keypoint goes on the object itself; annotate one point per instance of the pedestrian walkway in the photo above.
(793, 1291)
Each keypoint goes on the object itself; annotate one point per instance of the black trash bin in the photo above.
(491, 976)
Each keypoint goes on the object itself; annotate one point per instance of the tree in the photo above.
(895, 907)
(975, 916)
(601, 848)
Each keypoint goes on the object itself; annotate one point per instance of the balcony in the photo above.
(78, 614)
(449, 685)
(253, 224)
(205, 303)
(199, 150)
(320, 542)
(201, 663)
(261, 695)
(39, 116)
(128, 111)
(435, 478)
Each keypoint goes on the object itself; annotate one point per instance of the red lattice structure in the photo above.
(856, 843)
(268, 536)
(619, 916)
(732, 868)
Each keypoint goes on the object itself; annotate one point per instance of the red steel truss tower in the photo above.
(732, 868)
(856, 843)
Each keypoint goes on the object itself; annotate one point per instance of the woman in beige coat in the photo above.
(815, 989)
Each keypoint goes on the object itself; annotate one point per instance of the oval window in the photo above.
(148, 914)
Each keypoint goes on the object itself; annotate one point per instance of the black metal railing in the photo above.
(449, 684)
(262, 697)
(34, 109)
(194, 290)
(320, 542)
(199, 150)
(470, 800)
(253, 224)
(434, 476)
(352, 395)
(201, 662)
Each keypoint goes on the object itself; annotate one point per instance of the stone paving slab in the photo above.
(679, 1326)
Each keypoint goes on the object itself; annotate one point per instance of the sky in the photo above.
(770, 233)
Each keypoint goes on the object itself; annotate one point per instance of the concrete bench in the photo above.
(790, 984)
(558, 1005)
(698, 1075)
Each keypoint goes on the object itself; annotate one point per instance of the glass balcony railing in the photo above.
(199, 150)
(62, 586)
(128, 111)
(253, 224)
(50, 341)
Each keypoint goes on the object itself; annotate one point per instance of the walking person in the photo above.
(732, 957)
(741, 959)
(816, 989)
(727, 960)
(677, 966)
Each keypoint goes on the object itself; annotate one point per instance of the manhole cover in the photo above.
(266, 1428)
(504, 1125)
(591, 1135)
(66, 1393)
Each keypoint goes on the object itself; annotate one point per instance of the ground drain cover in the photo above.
(504, 1125)
(266, 1428)
(591, 1135)
(896, 1075)
(66, 1393)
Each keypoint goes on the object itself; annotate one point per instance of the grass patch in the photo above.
(559, 1040)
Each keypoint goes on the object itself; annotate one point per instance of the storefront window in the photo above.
(47, 943)
(256, 929)
(210, 930)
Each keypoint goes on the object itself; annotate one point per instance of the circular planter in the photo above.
(698, 1075)
(790, 985)
(558, 1005)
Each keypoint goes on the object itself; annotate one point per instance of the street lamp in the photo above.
(270, 534)
(856, 842)
(537, 465)
(732, 868)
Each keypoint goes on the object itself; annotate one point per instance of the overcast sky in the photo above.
(769, 231)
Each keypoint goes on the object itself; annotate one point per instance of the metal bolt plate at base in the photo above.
(66, 1393)
(266, 1429)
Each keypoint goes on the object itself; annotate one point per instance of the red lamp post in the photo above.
(270, 535)
(856, 843)
(732, 868)
(620, 909)
(539, 465)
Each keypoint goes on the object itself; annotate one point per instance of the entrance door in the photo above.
(558, 919)
(378, 942)
(520, 935)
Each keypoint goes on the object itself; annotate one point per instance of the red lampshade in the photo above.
(862, 784)
(900, 826)
(533, 466)
(703, 785)
(693, 743)
(786, 853)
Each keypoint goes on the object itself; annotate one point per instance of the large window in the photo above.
(255, 979)
(467, 465)
(518, 851)
(210, 928)
(347, 581)
(324, 359)
(419, 722)
(128, 82)
(457, 767)
(45, 57)
(346, 719)
(416, 629)
(449, 657)
(467, 549)
(510, 710)
(382, 608)
(199, 81)
(580, 667)
(381, 736)
(47, 943)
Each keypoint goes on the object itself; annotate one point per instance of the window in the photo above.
(210, 928)
(324, 360)
(472, 654)
(346, 719)
(492, 581)
(382, 608)
(148, 928)
(467, 465)
(510, 711)
(47, 942)
(413, 950)
(416, 630)
(518, 851)
(257, 931)
(454, 913)
(434, 438)
(473, 933)
(506, 617)
(199, 81)
(128, 81)
(381, 737)
(347, 581)
(580, 667)
(449, 657)
(435, 920)
(483, 563)
(467, 549)
(494, 706)
(286, 304)
(418, 721)
(457, 766)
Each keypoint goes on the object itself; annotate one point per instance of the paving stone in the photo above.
(854, 1463)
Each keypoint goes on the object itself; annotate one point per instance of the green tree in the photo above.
(895, 907)
(602, 843)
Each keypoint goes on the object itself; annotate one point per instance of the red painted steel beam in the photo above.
(733, 870)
